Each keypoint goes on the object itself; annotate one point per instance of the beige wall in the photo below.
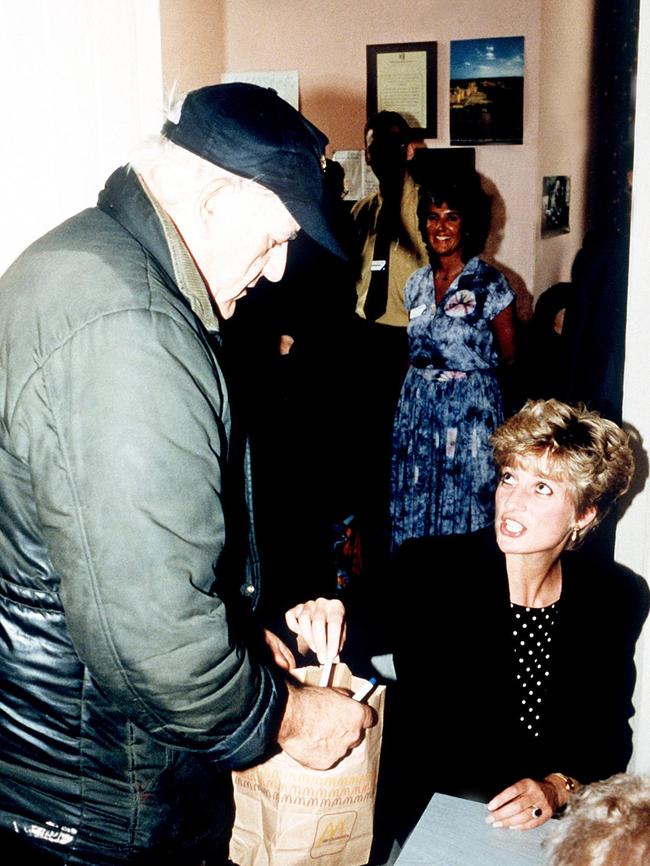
(565, 125)
(326, 43)
(192, 36)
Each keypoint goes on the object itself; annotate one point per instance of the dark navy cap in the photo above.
(252, 132)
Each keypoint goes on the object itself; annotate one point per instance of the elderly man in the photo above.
(128, 688)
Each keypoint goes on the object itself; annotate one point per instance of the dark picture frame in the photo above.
(398, 90)
(486, 91)
(556, 198)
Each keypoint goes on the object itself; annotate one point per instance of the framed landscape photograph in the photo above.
(486, 91)
(403, 77)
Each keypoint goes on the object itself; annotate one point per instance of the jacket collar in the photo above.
(128, 201)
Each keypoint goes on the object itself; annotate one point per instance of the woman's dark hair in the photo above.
(465, 195)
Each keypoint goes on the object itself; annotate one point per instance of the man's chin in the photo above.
(227, 308)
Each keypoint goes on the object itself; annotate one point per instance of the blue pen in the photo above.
(365, 690)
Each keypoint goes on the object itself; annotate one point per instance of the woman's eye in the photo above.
(544, 489)
(507, 478)
(453, 217)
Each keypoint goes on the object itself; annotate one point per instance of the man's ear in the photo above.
(410, 151)
(214, 194)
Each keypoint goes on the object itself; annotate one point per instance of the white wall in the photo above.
(81, 85)
(633, 535)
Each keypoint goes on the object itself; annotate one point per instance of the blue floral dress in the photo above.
(443, 475)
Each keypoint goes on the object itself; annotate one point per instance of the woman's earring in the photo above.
(574, 534)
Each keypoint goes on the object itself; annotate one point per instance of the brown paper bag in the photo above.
(289, 815)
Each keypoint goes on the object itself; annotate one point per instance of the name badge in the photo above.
(378, 265)
(417, 311)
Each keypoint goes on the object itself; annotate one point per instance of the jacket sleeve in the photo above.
(126, 424)
(598, 674)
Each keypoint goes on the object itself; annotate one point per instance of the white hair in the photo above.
(606, 824)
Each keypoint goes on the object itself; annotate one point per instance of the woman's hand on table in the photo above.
(319, 626)
(524, 805)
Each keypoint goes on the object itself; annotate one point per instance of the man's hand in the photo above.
(321, 726)
(282, 655)
(319, 626)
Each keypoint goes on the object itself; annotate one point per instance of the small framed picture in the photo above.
(556, 196)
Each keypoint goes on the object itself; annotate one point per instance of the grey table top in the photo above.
(453, 832)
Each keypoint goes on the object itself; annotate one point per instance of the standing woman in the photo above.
(461, 328)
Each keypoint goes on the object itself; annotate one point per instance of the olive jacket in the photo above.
(125, 690)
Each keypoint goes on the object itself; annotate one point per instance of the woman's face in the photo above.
(535, 512)
(444, 230)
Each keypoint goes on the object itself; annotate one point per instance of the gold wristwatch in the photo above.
(569, 783)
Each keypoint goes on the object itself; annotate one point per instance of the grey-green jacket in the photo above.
(124, 688)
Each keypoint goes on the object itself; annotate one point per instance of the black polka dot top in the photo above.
(532, 641)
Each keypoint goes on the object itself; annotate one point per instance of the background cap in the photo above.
(252, 132)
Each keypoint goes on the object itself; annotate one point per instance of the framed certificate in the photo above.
(403, 77)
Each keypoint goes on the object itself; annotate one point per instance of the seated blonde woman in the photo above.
(524, 643)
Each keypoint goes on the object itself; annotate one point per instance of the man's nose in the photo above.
(276, 263)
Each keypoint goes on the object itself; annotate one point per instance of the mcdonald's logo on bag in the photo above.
(333, 833)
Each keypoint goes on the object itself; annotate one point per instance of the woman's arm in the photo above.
(319, 626)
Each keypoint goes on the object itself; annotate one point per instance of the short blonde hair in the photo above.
(606, 824)
(591, 453)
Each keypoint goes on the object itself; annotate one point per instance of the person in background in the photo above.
(461, 329)
(288, 347)
(390, 249)
(386, 224)
(131, 680)
(606, 824)
(525, 643)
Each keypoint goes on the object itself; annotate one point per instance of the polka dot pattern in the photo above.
(532, 643)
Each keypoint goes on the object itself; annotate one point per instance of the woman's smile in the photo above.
(444, 227)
